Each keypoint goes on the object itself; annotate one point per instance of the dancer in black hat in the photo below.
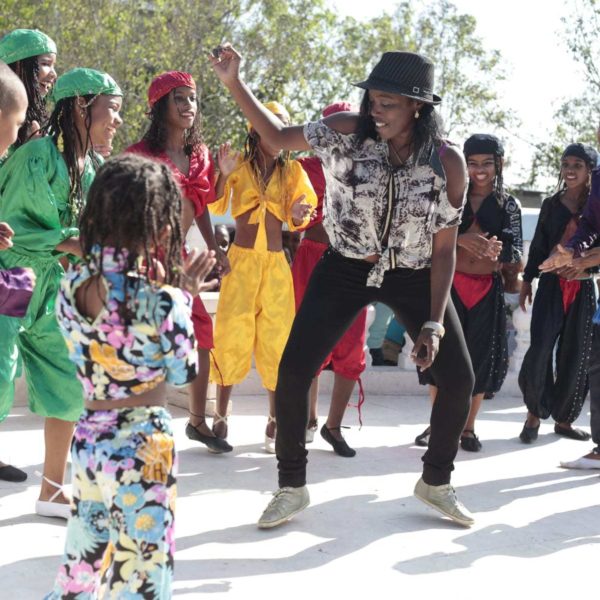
(395, 194)
(562, 310)
(489, 236)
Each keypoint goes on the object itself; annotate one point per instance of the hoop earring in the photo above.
(417, 114)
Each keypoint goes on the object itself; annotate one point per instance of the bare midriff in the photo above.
(471, 265)
(245, 233)
(317, 233)
(157, 396)
(187, 216)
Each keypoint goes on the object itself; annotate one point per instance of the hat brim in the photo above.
(393, 89)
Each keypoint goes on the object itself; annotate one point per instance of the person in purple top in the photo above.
(16, 285)
(582, 252)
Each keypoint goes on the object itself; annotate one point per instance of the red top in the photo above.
(198, 185)
(314, 170)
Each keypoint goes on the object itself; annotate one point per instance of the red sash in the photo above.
(471, 289)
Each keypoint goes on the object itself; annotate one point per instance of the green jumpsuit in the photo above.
(34, 200)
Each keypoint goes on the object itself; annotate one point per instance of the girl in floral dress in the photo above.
(129, 332)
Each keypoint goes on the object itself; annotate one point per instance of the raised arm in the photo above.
(269, 127)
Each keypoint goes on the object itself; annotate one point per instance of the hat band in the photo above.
(403, 89)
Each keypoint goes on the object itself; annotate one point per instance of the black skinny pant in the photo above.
(336, 293)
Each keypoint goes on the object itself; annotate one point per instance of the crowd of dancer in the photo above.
(100, 306)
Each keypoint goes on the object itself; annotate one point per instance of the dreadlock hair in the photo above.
(130, 203)
(252, 155)
(61, 127)
(27, 70)
(427, 129)
(156, 136)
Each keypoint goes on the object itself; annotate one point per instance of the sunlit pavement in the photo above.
(537, 525)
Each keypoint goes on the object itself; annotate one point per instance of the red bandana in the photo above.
(166, 82)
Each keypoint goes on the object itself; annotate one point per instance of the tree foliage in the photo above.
(297, 51)
(578, 117)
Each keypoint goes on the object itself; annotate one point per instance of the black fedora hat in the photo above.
(404, 73)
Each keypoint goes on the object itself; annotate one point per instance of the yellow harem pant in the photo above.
(52, 384)
(255, 313)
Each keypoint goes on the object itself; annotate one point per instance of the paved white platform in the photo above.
(364, 535)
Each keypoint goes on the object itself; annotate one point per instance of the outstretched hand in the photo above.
(227, 160)
(425, 350)
(196, 267)
(561, 257)
(227, 64)
(6, 233)
(480, 245)
(300, 210)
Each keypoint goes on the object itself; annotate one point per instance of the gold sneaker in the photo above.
(443, 499)
(286, 502)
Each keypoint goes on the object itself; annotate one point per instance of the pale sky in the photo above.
(540, 70)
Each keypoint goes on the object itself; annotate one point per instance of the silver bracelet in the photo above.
(437, 328)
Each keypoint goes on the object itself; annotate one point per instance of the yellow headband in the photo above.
(276, 109)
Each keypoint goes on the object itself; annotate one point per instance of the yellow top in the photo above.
(242, 190)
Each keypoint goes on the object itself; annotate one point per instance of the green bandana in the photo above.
(23, 43)
(83, 82)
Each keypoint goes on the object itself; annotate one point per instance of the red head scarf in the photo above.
(166, 82)
(337, 107)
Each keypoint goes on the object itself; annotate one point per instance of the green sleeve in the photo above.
(33, 192)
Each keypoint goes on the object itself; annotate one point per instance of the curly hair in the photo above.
(61, 127)
(27, 70)
(130, 204)
(156, 136)
(427, 129)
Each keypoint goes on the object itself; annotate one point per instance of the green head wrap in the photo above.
(82, 82)
(23, 43)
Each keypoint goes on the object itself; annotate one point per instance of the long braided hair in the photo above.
(130, 204)
(252, 155)
(61, 127)
(156, 136)
(27, 71)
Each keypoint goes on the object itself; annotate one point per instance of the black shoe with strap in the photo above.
(470, 443)
(215, 444)
(339, 446)
(528, 435)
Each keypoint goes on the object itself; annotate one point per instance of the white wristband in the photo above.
(437, 328)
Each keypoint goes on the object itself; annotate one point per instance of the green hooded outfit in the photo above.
(35, 200)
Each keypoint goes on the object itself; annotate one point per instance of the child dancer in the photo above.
(128, 336)
(562, 309)
(174, 138)
(347, 359)
(31, 54)
(489, 235)
(16, 285)
(256, 302)
(42, 189)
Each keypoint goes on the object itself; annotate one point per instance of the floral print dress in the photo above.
(120, 537)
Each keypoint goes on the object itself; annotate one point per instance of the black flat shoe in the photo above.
(12, 474)
(423, 439)
(470, 443)
(572, 433)
(528, 435)
(214, 444)
(339, 446)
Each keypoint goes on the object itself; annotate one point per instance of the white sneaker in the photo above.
(286, 502)
(581, 463)
(443, 499)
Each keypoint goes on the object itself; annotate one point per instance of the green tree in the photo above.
(299, 52)
(578, 117)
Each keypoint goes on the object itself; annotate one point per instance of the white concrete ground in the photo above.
(537, 529)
